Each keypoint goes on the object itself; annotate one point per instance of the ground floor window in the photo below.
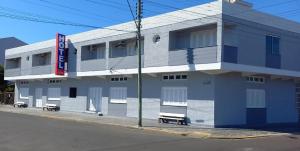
(73, 93)
(175, 96)
(118, 95)
(24, 93)
(53, 94)
(256, 98)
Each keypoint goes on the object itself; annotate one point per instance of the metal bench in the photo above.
(20, 104)
(179, 118)
(51, 107)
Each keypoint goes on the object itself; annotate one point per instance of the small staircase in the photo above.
(298, 99)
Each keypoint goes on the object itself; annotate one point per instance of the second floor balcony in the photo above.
(13, 67)
(123, 54)
(41, 64)
(193, 46)
(93, 57)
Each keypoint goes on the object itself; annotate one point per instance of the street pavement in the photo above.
(31, 133)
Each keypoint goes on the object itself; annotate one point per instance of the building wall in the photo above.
(200, 109)
(250, 39)
(230, 100)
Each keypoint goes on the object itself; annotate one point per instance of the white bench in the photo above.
(166, 117)
(51, 107)
(20, 104)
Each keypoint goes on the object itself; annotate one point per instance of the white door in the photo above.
(38, 97)
(94, 99)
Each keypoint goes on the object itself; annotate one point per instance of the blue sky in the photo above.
(100, 13)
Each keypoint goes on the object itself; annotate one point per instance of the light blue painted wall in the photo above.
(250, 38)
(230, 100)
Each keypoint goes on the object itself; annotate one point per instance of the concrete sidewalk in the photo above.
(150, 125)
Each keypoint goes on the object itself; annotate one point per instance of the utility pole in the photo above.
(139, 53)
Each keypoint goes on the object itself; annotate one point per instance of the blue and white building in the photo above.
(221, 64)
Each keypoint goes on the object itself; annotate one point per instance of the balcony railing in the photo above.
(193, 56)
(12, 72)
(127, 62)
(45, 69)
(93, 65)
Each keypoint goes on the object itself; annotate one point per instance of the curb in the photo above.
(203, 135)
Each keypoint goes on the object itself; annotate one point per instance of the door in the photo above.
(94, 99)
(256, 107)
(38, 97)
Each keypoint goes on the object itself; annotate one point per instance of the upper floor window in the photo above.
(273, 45)
(41, 59)
(205, 38)
(93, 52)
(13, 63)
(197, 37)
(124, 48)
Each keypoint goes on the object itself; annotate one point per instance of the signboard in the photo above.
(60, 54)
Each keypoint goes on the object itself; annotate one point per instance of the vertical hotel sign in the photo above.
(60, 54)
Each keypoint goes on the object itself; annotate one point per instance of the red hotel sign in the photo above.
(60, 54)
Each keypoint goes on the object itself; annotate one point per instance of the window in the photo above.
(118, 95)
(174, 77)
(97, 51)
(256, 98)
(24, 93)
(54, 94)
(273, 45)
(118, 79)
(52, 81)
(73, 93)
(175, 96)
(256, 79)
(204, 38)
(24, 82)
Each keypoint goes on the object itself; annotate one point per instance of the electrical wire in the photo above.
(131, 11)
(31, 19)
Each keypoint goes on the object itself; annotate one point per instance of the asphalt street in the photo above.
(29, 133)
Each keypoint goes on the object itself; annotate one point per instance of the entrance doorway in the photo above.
(38, 97)
(94, 99)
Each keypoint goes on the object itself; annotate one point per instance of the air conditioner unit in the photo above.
(121, 44)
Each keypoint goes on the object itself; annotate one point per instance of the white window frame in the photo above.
(203, 38)
(51, 98)
(119, 79)
(251, 79)
(166, 100)
(174, 75)
(256, 98)
(121, 94)
(54, 81)
(21, 93)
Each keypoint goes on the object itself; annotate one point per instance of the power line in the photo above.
(88, 13)
(31, 19)
(133, 17)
